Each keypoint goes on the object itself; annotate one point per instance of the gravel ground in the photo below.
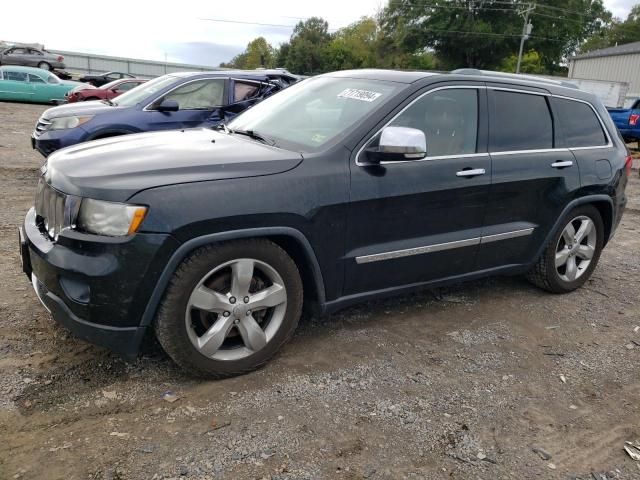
(486, 380)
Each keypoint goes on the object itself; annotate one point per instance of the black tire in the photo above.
(90, 98)
(170, 326)
(544, 273)
(44, 66)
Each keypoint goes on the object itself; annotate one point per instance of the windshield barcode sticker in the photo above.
(356, 94)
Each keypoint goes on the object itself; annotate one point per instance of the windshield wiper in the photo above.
(254, 135)
(108, 102)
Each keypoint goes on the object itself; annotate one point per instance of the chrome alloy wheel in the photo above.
(236, 309)
(576, 247)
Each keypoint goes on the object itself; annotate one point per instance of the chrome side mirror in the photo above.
(398, 144)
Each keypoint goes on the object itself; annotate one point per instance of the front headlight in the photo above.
(109, 218)
(61, 123)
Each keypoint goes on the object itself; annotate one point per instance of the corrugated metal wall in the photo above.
(618, 68)
(94, 64)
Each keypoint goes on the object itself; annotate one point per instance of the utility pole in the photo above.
(526, 31)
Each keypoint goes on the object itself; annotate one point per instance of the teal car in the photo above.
(28, 84)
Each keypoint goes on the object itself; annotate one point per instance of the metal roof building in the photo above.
(96, 64)
(620, 64)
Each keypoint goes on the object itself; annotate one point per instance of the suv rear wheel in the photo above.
(230, 307)
(572, 254)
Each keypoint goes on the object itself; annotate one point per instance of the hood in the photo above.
(71, 83)
(82, 86)
(94, 107)
(116, 168)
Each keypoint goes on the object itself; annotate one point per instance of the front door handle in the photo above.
(471, 172)
(562, 164)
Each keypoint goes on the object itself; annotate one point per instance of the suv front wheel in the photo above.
(572, 254)
(230, 307)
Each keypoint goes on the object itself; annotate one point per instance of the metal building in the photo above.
(87, 63)
(619, 64)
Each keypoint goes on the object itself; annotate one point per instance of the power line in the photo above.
(492, 34)
(242, 22)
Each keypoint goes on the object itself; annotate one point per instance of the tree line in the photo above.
(448, 34)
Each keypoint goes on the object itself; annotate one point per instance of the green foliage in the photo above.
(307, 46)
(353, 46)
(531, 63)
(616, 33)
(447, 34)
(468, 33)
(258, 54)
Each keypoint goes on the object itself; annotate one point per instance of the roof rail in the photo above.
(515, 76)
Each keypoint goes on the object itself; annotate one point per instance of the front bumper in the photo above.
(51, 140)
(97, 288)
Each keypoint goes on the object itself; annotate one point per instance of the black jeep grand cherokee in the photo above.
(345, 187)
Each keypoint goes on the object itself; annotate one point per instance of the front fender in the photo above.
(187, 247)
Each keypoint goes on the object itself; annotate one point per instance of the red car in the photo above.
(105, 92)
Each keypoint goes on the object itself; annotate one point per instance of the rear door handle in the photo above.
(562, 164)
(471, 172)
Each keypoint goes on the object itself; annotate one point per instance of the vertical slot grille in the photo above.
(50, 209)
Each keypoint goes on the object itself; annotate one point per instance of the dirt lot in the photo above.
(456, 383)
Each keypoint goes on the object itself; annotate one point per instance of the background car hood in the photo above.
(70, 83)
(93, 107)
(116, 168)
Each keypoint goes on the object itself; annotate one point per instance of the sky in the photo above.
(180, 32)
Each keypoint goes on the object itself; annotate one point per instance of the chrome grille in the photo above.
(50, 209)
(42, 126)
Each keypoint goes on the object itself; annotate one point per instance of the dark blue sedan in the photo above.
(174, 101)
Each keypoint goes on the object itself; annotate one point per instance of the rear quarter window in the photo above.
(520, 121)
(579, 124)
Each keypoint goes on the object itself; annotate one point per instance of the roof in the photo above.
(257, 73)
(517, 77)
(400, 76)
(624, 49)
(25, 69)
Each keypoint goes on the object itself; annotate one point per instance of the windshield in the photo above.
(107, 86)
(51, 78)
(144, 91)
(315, 112)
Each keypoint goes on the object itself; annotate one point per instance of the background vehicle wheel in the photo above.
(44, 66)
(572, 254)
(91, 98)
(230, 307)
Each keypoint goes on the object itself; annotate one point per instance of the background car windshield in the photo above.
(138, 94)
(315, 112)
(109, 85)
(51, 78)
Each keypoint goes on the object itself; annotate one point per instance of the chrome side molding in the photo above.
(438, 247)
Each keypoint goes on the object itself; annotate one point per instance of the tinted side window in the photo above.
(35, 79)
(448, 118)
(198, 95)
(579, 124)
(244, 91)
(16, 76)
(123, 87)
(520, 122)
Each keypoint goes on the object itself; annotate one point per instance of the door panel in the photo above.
(526, 192)
(15, 89)
(412, 206)
(415, 221)
(533, 178)
(174, 120)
